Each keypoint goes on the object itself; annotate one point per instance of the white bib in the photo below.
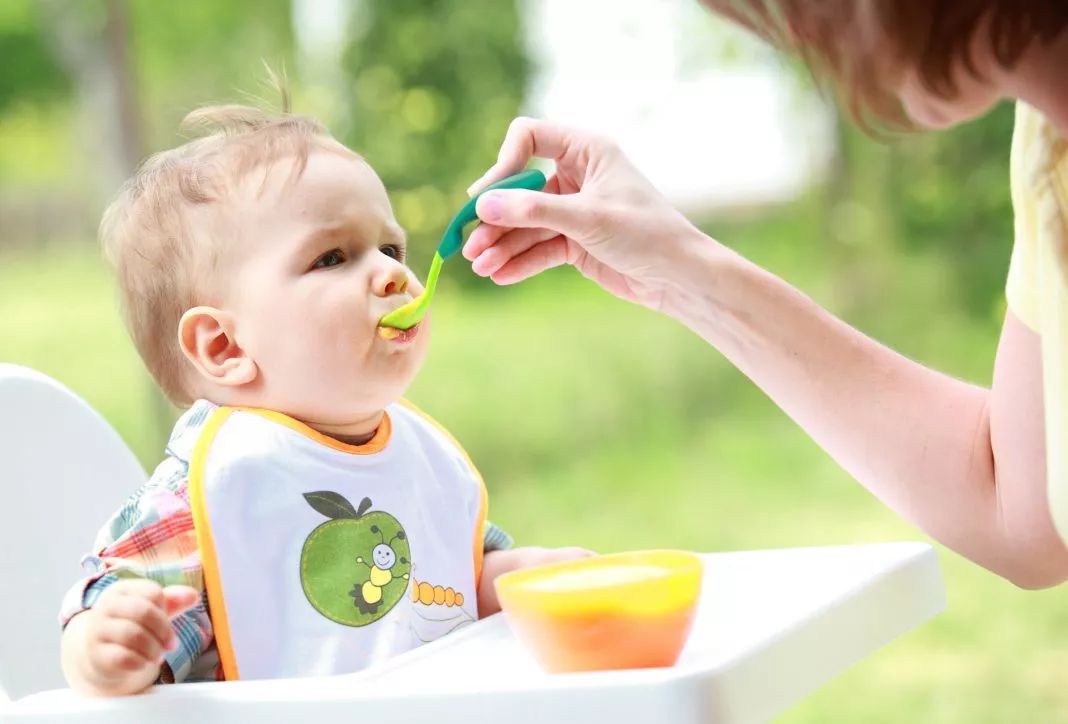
(323, 558)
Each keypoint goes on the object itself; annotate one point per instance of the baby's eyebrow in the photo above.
(395, 232)
(317, 237)
(390, 230)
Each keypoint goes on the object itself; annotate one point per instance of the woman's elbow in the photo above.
(1039, 567)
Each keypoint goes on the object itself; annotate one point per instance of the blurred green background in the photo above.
(616, 429)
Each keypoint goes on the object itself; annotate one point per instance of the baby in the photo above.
(306, 520)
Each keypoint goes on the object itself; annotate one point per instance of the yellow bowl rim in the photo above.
(676, 588)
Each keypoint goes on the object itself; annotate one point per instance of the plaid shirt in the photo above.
(152, 536)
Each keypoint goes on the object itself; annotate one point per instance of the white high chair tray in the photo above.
(772, 626)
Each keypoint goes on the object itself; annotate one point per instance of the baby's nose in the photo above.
(393, 280)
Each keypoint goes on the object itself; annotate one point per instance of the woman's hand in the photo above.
(597, 213)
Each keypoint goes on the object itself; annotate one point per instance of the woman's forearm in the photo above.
(964, 463)
(920, 440)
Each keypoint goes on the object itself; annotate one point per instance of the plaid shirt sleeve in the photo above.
(495, 538)
(152, 537)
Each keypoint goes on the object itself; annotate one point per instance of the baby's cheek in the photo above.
(422, 342)
(339, 324)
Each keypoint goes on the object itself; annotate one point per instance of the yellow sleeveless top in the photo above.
(1037, 287)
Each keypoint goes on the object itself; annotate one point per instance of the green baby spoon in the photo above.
(413, 312)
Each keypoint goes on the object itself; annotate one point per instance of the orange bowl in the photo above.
(620, 611)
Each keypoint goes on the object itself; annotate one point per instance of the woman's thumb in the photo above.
(521, 209)
(179, 599)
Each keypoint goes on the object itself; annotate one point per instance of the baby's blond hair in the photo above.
(154, 232)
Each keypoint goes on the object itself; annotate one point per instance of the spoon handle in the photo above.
(531, 179)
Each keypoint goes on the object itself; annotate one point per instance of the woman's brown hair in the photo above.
(865, 45)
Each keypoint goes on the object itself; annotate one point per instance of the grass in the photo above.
(617, 429)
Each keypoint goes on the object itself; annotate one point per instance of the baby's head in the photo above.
(255, 262)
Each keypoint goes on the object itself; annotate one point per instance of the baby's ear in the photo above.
(206, 336)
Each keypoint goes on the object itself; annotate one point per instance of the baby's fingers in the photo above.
(132, 636)
(134, 587)
(114, 659)
(179, 599)
(147, 616)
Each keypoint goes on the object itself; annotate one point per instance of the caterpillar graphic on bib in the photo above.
(355, 567)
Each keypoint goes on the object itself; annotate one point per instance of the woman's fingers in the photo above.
(510, 244)
(486, 235)
(522, 209)
(534, 257)
(611, 224)
(533, 261)
(529, 138)
(483, 237)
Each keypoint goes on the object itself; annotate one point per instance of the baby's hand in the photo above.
(117, 647)
(498, 563)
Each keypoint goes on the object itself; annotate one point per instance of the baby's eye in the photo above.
(393, 251)
(329, 259)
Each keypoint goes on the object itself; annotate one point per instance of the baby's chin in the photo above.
(375, 389)
(384, 380)
(343, 387)
(339, 397)
(398, 354)
(345, 410)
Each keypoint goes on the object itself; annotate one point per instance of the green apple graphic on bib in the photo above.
(355, 566)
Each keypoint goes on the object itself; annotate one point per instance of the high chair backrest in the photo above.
(63, 472)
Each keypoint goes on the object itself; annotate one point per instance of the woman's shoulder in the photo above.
(1039, 154)
(1039, 172)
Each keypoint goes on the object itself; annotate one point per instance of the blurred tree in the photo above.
(944, 193)
(435, 84)
(952, 193)
(189, 54)
(88, 87)
(92, 40)
(135, 67)
(30, 71)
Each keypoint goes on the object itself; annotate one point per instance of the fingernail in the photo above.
(477, 266)
(489, 207)
(479, 184)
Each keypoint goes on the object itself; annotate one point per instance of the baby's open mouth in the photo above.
(398, 335)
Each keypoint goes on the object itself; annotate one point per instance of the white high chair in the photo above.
(63, 472)
(771, 627)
